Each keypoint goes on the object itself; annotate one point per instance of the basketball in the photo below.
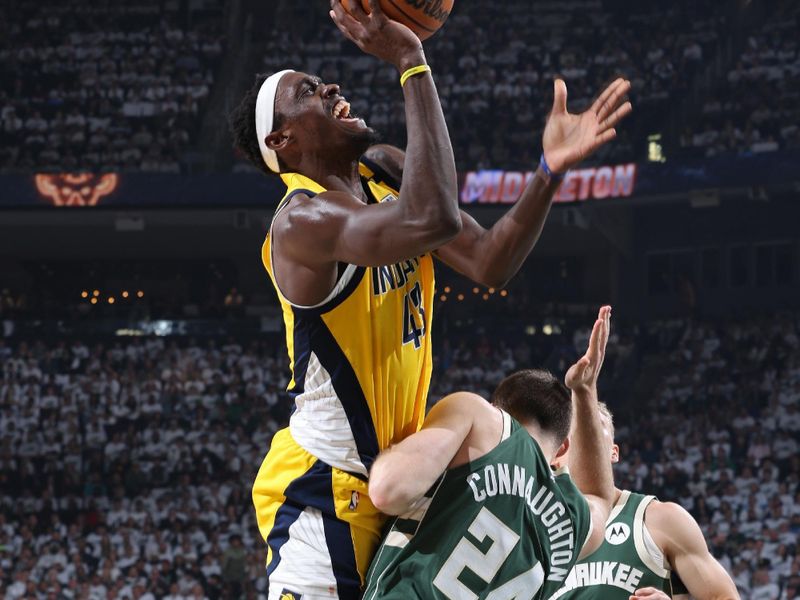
(423, 17)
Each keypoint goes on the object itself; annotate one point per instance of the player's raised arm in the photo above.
(403, 473)
(589, 464)
(426, 215)
(493, 256)
(678, 534)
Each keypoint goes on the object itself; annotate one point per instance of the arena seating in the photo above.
(126, 464)
(754, 109)
(96, 86)
(494, 65)
(124, 87)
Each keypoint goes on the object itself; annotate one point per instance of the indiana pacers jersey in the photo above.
(361, 365)
(627, 560)
(503, 526)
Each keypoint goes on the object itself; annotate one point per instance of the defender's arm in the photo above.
(403, 473)
(589, 463)
(679, 535)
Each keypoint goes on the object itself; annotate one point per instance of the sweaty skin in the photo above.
(313, 236)
(493, 256)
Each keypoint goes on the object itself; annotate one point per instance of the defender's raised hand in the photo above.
(582, 376)
(569, 139)
(378, 35)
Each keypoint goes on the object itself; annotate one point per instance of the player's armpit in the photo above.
(677, 533)
(599, 511)
(337, 227)
(403, 473)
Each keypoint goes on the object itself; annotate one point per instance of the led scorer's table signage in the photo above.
(504, 187)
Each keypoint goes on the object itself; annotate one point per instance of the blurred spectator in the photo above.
(126, 465)
(494, 65)
(101, 87)
(755, 109)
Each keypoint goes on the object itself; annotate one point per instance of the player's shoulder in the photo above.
(482, 416)
(465, 403)
(663, 514)
(671, 525)
(308, 213)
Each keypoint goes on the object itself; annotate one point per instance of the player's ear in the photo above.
(278, 140)
(614, 454)
(563, 449)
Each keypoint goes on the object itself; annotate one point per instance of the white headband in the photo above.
(265, 117)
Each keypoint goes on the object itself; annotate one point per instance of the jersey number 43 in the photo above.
(413, 317)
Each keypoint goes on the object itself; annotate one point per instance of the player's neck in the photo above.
(339, 175)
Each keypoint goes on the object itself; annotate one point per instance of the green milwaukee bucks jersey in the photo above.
(502, 527)
(627, 560)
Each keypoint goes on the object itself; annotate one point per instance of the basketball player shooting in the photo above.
(350, 257)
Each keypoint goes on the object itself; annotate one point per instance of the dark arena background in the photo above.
(142, 353)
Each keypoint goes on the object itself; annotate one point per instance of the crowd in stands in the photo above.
(126, 464)
(494, 65)
(97, 86)
(126, 467)
(123, 86)
(755, 108)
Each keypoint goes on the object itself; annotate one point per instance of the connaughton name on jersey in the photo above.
(500, 479)
(602, 572)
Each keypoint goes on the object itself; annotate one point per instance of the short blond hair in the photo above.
(606, 412)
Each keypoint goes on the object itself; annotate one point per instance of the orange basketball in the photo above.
(423, 17)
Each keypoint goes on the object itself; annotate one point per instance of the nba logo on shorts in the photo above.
(617, 533)
(354, 498)
(289, 595)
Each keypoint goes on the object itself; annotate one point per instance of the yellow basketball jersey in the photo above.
(361, 359)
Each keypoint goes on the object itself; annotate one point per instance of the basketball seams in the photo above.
(411, 18)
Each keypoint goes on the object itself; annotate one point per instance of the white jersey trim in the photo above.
(506, 426)
(320, 425)
(648, 551)
(618, 507)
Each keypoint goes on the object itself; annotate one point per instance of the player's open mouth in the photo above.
(341, 112)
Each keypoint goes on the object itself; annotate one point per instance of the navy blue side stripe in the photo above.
(345, 384)
(286, 516)
(302, 353)
(343, 558)
(315, 489)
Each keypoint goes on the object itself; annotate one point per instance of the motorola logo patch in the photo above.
(617, 533)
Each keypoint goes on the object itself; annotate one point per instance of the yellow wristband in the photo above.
(413, 71)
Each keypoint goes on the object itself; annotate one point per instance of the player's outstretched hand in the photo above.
(568, 139)
(649, 593)
(582, 376)
(378, 35)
